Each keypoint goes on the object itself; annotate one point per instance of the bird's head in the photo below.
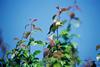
(58, 23)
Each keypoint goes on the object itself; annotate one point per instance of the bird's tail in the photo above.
(49, 32)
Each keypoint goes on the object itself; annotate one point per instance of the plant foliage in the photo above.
(61, 51)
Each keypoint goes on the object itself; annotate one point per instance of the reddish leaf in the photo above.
(36, 28)
(65, 9)
(52, 42)
(23, 46)
(72, 15)
(33, 19)
(61, 10)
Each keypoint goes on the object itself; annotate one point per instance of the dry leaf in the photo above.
(97, 47)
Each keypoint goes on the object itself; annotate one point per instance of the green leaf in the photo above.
(2, 60)
(36, 52)
(31, 39)
(39, 65)
(68, 48)
(98, 57)
(53, 59)
(8, 52)
(43, 44)
(75, 44)
(75, 35)
(25, 64)
(57, 41)
(20, 42)
(33, 43)
(78, 60)
(39, 42)
(25, 53)
(64, 32)
(67, 55)
(57, 64)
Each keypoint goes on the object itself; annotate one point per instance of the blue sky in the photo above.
(14, 14)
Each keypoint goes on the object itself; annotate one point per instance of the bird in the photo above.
(55, 26)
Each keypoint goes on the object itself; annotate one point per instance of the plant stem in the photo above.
(29, 38)
(57, 34)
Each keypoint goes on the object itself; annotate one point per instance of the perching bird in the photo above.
(55, 26)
